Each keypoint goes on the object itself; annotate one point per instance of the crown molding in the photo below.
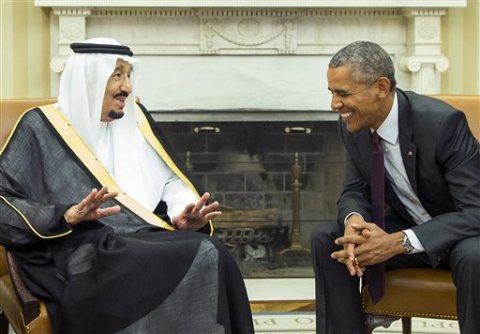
(254, 3)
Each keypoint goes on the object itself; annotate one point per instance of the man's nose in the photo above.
(336, 103)
(126, 85)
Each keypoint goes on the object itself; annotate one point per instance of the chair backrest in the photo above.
(470, 105)
(10, 111)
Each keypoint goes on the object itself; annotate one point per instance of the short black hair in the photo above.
(369, 61)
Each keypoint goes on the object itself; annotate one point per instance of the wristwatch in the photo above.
(407, 245)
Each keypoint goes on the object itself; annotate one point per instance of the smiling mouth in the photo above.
(346, 115)
(121, 99)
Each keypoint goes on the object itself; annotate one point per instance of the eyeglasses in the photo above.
(344, 94)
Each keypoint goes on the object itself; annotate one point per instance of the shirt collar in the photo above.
(388, 130)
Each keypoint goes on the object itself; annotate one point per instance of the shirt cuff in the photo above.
(350, 214)
(417, 245)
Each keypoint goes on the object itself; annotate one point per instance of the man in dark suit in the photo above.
(431, 192)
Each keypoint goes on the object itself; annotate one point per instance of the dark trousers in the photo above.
(338, 300)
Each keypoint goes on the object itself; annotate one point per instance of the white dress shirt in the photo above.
(397, 175)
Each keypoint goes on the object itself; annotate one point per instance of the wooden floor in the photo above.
(282, 306)
(281, 294)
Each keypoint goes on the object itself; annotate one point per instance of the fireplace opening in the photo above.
(274, 180)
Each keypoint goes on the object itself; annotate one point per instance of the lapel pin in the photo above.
(410, 153)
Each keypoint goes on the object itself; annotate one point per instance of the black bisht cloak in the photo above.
(101, 276)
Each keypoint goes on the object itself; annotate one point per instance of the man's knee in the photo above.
(466, 254)
(324, 234)
(465, 261)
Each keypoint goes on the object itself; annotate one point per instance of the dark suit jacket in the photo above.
(442, 161)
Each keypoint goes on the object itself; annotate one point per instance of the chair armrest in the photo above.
(3, 261)
(29, 304)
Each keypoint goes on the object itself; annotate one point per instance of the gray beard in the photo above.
(115, 114)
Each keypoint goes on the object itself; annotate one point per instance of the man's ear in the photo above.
(383, 85)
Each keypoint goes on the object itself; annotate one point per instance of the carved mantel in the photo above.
(290, 39)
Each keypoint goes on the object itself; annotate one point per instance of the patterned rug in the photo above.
(304, 322)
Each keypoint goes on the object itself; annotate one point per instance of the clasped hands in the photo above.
(365, 244)
(193, 217)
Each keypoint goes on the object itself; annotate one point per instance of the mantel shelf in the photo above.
(242, 115)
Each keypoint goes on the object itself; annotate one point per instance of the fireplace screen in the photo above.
(275, 180)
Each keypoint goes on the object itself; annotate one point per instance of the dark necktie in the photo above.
(376, 273)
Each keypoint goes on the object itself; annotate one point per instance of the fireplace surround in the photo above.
(240, 89)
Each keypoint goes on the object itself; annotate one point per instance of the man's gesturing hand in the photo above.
(89, 208)
(195, 216)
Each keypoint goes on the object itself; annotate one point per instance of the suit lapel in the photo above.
(407, 146)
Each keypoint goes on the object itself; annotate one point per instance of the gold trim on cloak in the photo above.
(30, 225)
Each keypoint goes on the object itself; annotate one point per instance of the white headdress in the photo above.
(119, 144)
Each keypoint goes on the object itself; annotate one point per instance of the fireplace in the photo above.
(252, 168)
